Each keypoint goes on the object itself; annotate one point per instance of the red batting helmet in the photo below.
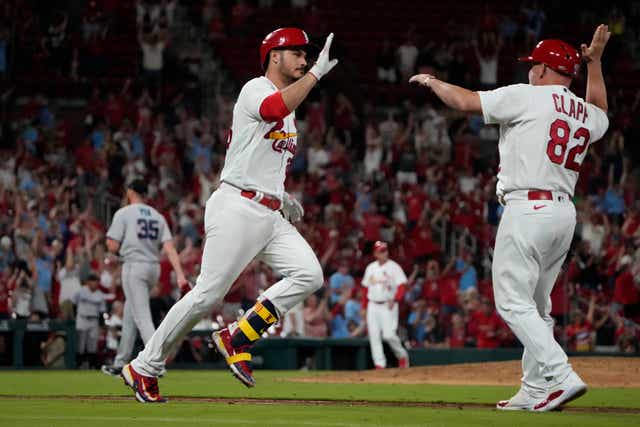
(557, 55)
(380, 246)
(283, 38)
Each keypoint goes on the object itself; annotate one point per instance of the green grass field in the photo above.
(91, 399)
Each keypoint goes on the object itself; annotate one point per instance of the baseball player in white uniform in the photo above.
(386, 285)
(137, 233)
(545, 131)
(249, 216)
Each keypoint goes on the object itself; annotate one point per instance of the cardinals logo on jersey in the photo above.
(282, 141)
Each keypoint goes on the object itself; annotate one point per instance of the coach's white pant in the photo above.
(382, 323)
(238, 230)
(532, 242)
(138, 278)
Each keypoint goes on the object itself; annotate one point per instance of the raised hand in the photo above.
(323, 65)
(593, 52)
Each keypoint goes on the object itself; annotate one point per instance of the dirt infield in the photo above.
(596, 371)
(314, 402)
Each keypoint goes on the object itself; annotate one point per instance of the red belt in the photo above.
(270, 202)
(540, 195)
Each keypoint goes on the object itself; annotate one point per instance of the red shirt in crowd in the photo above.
(423, 244)
(457, 337)
(431, 290)
(580, 336)
(4, 299)
(85, 155)
(371, 226)
(465, 218)
(114, 112)
(486, 328)
(625, 291)
(559, 300)
(164, 280)
(631, 225)
(449, 289)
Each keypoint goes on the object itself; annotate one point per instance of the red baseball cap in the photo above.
(380, 246)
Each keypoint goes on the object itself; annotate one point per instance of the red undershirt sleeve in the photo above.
(399, 296)
(273, 108)
(365, 300)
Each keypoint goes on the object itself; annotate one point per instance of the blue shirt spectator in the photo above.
(97, 140)
(201, 154)
(46, 118)
(363, 199)
(44, 266)
(613, 202)
(43, 223)
(30, 135)
(3, 56)
(469, 278)
(299, 162)
(352, 311)
(26, 181)
(417, 319)
(339, 327)
(137, 147)
(338, 281)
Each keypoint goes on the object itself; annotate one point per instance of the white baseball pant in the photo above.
(533, 239)
(382, 323)
(138, 279)
(238, 230)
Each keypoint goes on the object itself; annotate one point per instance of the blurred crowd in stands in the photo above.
(411, 173)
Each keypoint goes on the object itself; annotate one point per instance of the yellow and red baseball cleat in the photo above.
(237, 358)
(145, 388)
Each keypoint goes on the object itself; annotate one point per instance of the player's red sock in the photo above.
(253, 324)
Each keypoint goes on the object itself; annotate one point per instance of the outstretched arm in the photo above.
(453, 96)
(294, 94)
(596, 89)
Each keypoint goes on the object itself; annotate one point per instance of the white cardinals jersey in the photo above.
(258, 152)
(382, 280)
(544, 135)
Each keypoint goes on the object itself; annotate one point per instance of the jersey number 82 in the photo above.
(560, 132)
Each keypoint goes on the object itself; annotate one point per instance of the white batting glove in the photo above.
(291, 208)
(323, 65)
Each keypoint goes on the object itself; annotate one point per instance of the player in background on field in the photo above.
(545, 131)
(386, 285)
(137, 233)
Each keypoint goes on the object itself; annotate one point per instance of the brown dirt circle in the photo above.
(595, 371)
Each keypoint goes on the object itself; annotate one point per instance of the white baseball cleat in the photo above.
(561, 393)
(521, 401)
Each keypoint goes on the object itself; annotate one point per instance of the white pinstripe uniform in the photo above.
(545, 131)
(382, 281)
(239, 229)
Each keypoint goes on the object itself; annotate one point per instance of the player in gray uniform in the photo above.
(90, 304)
(137, 233)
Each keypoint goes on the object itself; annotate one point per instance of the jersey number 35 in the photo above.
(560, 133)
(148, 229)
